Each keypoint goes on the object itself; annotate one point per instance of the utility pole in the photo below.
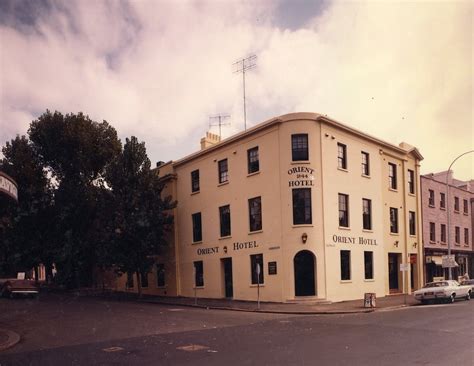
(242, 66)
(220, 118)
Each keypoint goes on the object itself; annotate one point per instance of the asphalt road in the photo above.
(84, 331)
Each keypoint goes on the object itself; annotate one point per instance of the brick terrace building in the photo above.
(434, 212)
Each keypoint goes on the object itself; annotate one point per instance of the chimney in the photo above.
(210, 140)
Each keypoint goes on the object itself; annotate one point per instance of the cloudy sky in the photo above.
(402, 71)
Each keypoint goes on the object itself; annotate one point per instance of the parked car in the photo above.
(449, 291)
(468, 283)
(12, 287)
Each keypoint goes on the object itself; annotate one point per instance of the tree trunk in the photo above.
(139, 285)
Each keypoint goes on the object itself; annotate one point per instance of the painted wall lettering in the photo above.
(353, 240)
(204, 251)
(245, 245)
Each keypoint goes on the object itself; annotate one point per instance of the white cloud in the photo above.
(158, 70)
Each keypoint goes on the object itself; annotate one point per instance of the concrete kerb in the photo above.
(12, 339)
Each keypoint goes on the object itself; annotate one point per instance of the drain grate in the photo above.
(192, 348)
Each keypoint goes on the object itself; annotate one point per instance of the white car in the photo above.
(448, 290)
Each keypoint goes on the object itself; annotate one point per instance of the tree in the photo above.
(25, 240)
(141, 216)
(75, 151)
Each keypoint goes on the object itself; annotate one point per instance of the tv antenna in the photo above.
(242, 66)
(220, 121)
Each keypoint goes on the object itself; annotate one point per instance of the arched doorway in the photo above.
(304, 265)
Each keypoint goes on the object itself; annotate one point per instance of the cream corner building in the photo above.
(298, 207)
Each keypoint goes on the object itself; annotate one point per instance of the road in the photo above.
(87, 331)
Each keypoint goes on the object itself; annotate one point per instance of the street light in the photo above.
(449, 208)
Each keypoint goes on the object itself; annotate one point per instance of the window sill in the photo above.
(254, 173)
(369, 280)
(345, 281)
(365, 176)
(394, 234)
(225, 237)
(456, 211)
(432, 206)
(199, 287)
(412, 235)
(411, 194)
(302, 225)
(255, 232)
(295, 162)
(441, 208)
(261, 285)
(162, 287)
(343, 169)
(344, 227)
(393, 189)
(465, 213)
(367, 230)
(196, 242)
(443, 243)
(193, 193)
(432, 242)
(223, 183)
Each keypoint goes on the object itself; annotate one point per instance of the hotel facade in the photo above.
(298, 207)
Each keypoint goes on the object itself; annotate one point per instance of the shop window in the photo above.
(253, 163)
(365, 163)
(224, 214)
(411, 181)
(393, 220)
(366, 214)
(299, 147)
(160, 275)
(343, 210)
(256, 268)
(302, 206)
(412, 222)
(255, 214)
(341, 156)
(223, 171)
(198, 274)
(197, 227)
(392, 175)
(195, 181)
(345, 265)
(369, 265)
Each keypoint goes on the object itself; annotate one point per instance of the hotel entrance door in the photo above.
(228, 286)
(304, 266)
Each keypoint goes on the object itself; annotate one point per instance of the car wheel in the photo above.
(451, 298)
(468, 296)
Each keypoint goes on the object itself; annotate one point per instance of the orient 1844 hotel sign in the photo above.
(301, 176)
(8, 186)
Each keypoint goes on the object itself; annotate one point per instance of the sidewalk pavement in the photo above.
(309, 307)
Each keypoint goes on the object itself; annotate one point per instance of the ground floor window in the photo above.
(369, 265)
(256, 268)
(160, 275)
(345, 265)
(129, 279)
(199, 274)
(144, 279)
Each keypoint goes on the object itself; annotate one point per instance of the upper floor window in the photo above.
(341, 156)
(442, 200)
(256, 268)
(197, 227)
(431, 199)
(392, 175)
(411, 181)
(432, 232)
(412, 222)
(302, 206)
(465, 206)
(365, 163)
(255, 214)
(366, 214)
(195, 180)
(393, 220)
(343, 210)
(457, 234)
(253, 163)
(223, 171)
(299, 147)
(443, 233)
(456, 204)
(466, 236)
(224, 215)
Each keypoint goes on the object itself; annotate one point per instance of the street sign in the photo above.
(449, 261)
(404, 267)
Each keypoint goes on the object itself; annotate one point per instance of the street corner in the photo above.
(8, 339)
